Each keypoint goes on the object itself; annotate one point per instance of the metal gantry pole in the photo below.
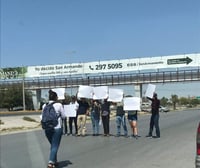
(23, 90)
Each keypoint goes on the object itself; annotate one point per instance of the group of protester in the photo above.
(99, 112)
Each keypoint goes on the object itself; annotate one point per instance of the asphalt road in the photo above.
(175, 148)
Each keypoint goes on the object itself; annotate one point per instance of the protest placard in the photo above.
(60, 92)
(85, 92)
(150, 90)
(131, 103)
(70, 110)
(115, 95)
(100, 92)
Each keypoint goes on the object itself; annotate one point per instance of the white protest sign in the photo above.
(60, 92)
(70, 110)
(150, 90)
(131, 103)
(115, 95)
(100, 92)
(85, 92)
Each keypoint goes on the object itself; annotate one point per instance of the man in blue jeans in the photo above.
(121, 120)
(154, 116)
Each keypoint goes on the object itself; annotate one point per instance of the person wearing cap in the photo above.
(154, 121)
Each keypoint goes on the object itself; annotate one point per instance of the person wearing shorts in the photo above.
(132, 118)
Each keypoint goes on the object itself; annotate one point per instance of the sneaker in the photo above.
(51, 165)
(117, 135)
(148, 136)
(126, 136)
(156, 137)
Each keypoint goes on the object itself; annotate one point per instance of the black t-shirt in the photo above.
(83, 107)
(155, 106)
(105, 108)
(120, 111)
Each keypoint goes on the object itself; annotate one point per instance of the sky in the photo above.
(44, 32)
(41, 32)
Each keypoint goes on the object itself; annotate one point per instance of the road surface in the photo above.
(175, 148)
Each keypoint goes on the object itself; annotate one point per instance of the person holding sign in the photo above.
(132, 106)
(95, 116)
(83, 111)
(154, 121)
(121, 120)
(74, 118)
(132, 118)
(105, 114)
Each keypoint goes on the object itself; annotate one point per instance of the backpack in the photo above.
(49, 117)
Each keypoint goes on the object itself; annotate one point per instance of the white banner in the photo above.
(115, 95)
(85, 92)
(60, 92)
(132, 64)
(131, 103)
(100, 92)
(70, 110)
(150, 90)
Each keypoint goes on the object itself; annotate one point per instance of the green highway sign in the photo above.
(186, 60)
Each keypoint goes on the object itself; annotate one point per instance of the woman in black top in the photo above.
(105, 114)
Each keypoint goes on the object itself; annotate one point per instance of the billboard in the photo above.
(124, 65)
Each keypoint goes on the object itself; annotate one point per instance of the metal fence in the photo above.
(108, 80)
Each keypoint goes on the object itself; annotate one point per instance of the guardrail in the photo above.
(108, 80)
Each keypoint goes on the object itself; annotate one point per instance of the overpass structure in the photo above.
(179, 68)
(136, 78)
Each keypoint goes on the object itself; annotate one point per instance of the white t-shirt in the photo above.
(76, 106)
(59, 110)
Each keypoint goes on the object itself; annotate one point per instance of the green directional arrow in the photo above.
(186, 60)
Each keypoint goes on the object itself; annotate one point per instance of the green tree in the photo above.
(194, 102)
(174, 99)
(13, 97)
(183, 101)
(164, 101)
